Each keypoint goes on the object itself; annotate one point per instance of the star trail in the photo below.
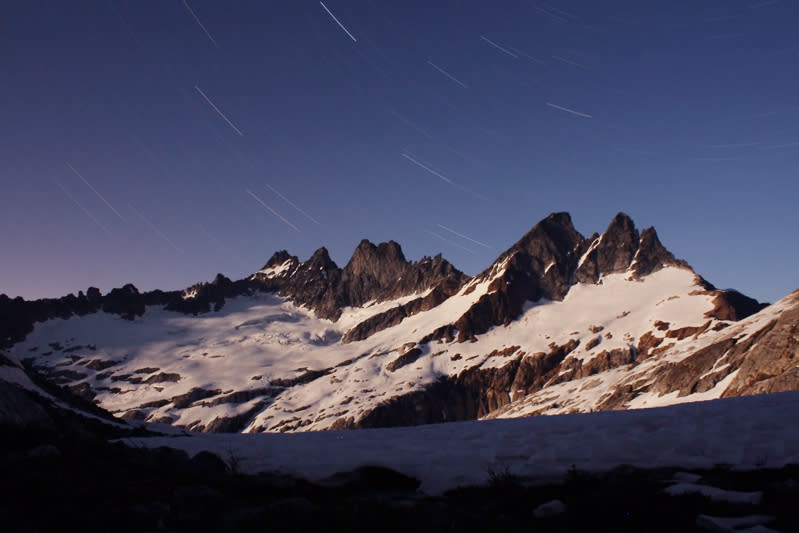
(159, 143)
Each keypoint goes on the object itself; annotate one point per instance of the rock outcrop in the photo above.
(773, 362)
(29, 402)
(552, 257)
(668, 333)
(472, 394)
(374, 273)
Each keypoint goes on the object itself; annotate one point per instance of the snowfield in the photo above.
(137, 368)
(746, 433)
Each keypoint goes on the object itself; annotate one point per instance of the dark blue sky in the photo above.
(428, 120)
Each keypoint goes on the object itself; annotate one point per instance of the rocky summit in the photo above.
(558, 323)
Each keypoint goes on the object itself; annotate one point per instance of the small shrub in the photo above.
(501, 476)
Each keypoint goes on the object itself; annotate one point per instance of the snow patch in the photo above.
(700, 435)
(275, 271)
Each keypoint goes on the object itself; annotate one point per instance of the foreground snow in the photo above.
(746, 433)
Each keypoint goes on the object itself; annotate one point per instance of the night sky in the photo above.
(161, 142)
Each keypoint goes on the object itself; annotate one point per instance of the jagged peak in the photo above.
(555, 231)
(221, 279)
(366, 251)
(561, 218)
(651, 255)
(617, 246)
(622, 226)
(129, 288)
(392, 248)
(321, 257)
(730, 304)
(622, 219)
(279, 258)
(365, 245)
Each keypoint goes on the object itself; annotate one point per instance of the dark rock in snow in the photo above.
(208, 464)
(548, 260)
(652, 256)
(374, 273)
(405, 359)
(372, 479)
(473, 393)
(184, 400)
(126, 302)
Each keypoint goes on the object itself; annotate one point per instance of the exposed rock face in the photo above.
(374, 273)
(231, 424)
(21, 408)
(466, 397)
(549, 259)
(538, 266)
(279, 258)
(605, 360)
(310, 283)
(761, 360)
(651, 256)
(126, 302)
(17, 316)
(732, 305)
(489, 377)
(773, 364)
(405, 359)
(28, 401)
(473, 393)
(377, 273)
(612, 252)
(446, 288)
(205, 297)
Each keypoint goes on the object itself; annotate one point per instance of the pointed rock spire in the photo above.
(652, 255)
(609, 253)
(617, 246)
(320, 258)
(279, 258)
(371, 259)
(553, 238)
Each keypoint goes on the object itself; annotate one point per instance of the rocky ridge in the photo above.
(558, 323)
(553, 256)
(375, 273)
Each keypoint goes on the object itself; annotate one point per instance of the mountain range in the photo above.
(558, 323)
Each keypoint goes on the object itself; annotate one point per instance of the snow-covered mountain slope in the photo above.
(748, 433)
(759, 354)
(29, 402)
(558, 323)
(260, 361)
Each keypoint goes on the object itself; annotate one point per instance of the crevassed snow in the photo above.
(747, 432)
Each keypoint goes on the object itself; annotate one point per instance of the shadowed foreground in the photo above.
(51, 481)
